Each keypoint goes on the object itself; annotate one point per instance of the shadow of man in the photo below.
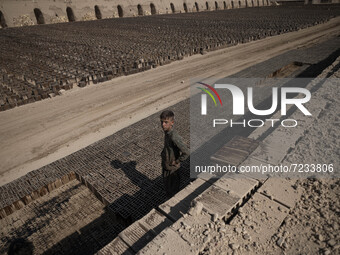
(129, 208)
(20, 246)
(129, 168)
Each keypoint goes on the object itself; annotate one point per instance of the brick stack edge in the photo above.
(17, 194)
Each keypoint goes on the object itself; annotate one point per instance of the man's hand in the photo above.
(175, 164)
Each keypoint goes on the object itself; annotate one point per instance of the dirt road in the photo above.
(36, 134)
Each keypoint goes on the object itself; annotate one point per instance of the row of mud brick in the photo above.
(128, 198)
(38, 61)
(129, 190)
(28, 188)
(126, 201)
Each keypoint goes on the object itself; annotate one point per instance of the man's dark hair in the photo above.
(167, 115)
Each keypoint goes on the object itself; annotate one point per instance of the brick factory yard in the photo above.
(107, 135)
(42, 132)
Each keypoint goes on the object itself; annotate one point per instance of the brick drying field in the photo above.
(122, 174)
(38, 61)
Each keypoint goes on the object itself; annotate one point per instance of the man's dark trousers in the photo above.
(171, 182)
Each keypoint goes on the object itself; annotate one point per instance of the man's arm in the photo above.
(178, 141)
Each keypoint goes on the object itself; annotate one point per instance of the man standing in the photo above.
(174, 152)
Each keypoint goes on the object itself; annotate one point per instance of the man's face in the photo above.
(167, 124)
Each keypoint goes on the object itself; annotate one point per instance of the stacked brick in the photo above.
(22, 191)
(38, 61)
(123, 171)
(68, 219)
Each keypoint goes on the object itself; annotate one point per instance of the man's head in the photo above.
(167, 120)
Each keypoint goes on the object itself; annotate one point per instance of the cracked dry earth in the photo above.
(312, 226)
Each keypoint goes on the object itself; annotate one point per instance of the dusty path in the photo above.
(37, 134)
